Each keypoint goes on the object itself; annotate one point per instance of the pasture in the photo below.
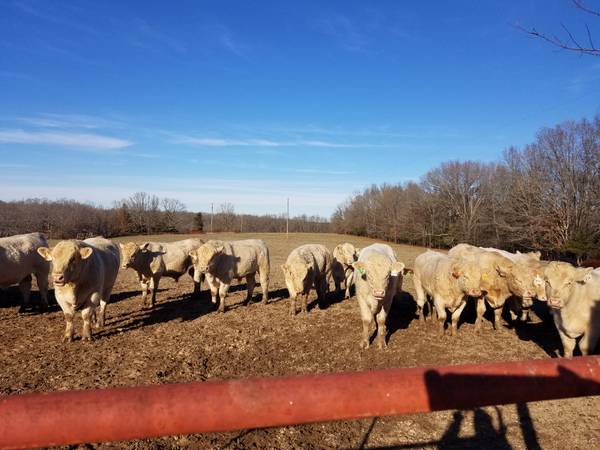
(185, 339)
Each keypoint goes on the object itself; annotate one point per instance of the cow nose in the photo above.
(378, 293)
(59, 278)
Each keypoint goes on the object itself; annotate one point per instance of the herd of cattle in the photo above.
(84, 272)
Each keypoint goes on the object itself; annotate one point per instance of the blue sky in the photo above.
(252, 102)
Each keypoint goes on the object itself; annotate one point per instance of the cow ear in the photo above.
(502, 270)
(397, 268)
(192, 255)
(44, 252)
(585, 275)
(86, 252)
(145, 246)
(360, 267)
(456, 271)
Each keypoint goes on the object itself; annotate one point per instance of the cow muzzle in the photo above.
(554, 303)
(58, 279)
(475, 293)
(378, 293)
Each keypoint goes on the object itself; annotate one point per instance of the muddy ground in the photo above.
(184, 339)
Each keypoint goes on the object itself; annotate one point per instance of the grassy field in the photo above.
(184, 339)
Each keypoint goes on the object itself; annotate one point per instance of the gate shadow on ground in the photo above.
(188, 307)
(441, 389)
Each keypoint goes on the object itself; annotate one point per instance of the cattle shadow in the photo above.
(126, 295)
(402, 313)
(543, 334)
(185, 308)
(11, 297)
(329, 299)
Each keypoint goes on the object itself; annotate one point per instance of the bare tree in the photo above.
(569, 42)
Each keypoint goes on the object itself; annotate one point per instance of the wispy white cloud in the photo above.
(345, 31)
(64, 139)
(70, 121)
(151, 38)
(226, 142)
(54, 14)
(15, 75)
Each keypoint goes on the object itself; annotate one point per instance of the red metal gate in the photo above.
(68, 417)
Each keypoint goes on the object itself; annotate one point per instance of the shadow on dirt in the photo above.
(402, 313)
(11, 297)
(126, 295)
(487, 432)
(183, 309)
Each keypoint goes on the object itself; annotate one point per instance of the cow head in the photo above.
(346, 254)
(381, 274)
(133, 254)
(468, 276)
(204, 256)
(560, 279)
(296, 277)
(523, 281)
(68, 260)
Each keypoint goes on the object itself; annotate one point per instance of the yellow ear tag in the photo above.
(484, 276)
(361, 270)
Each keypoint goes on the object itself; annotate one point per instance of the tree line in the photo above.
(544, 196)
(140, 213)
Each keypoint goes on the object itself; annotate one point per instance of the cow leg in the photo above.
(144, 284)
(568, 344)
(154, 282)
(42, 282)
(348, 284)
(456, 317)
(338, 283)
(367, 321)
(381, 327)
(304, 306)
(292, 305)
(86, 314)
(197, 277)
(497, 317)
(421, 298)
(25, 289)
(524, 315)
(514, 309)
(250, 283)
(213, 285)
(588, 341)
(480, 312)
(264, 284)
(223, 289)
(440, 309)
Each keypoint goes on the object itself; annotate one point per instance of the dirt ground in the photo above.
(184, 339)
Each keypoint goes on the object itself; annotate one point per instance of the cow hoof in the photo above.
(67, 339)
(364, 345)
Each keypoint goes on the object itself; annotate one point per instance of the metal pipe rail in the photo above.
(69, 417)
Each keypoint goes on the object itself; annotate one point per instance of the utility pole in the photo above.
(241, 223)
(287, 219)
(211, 216)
